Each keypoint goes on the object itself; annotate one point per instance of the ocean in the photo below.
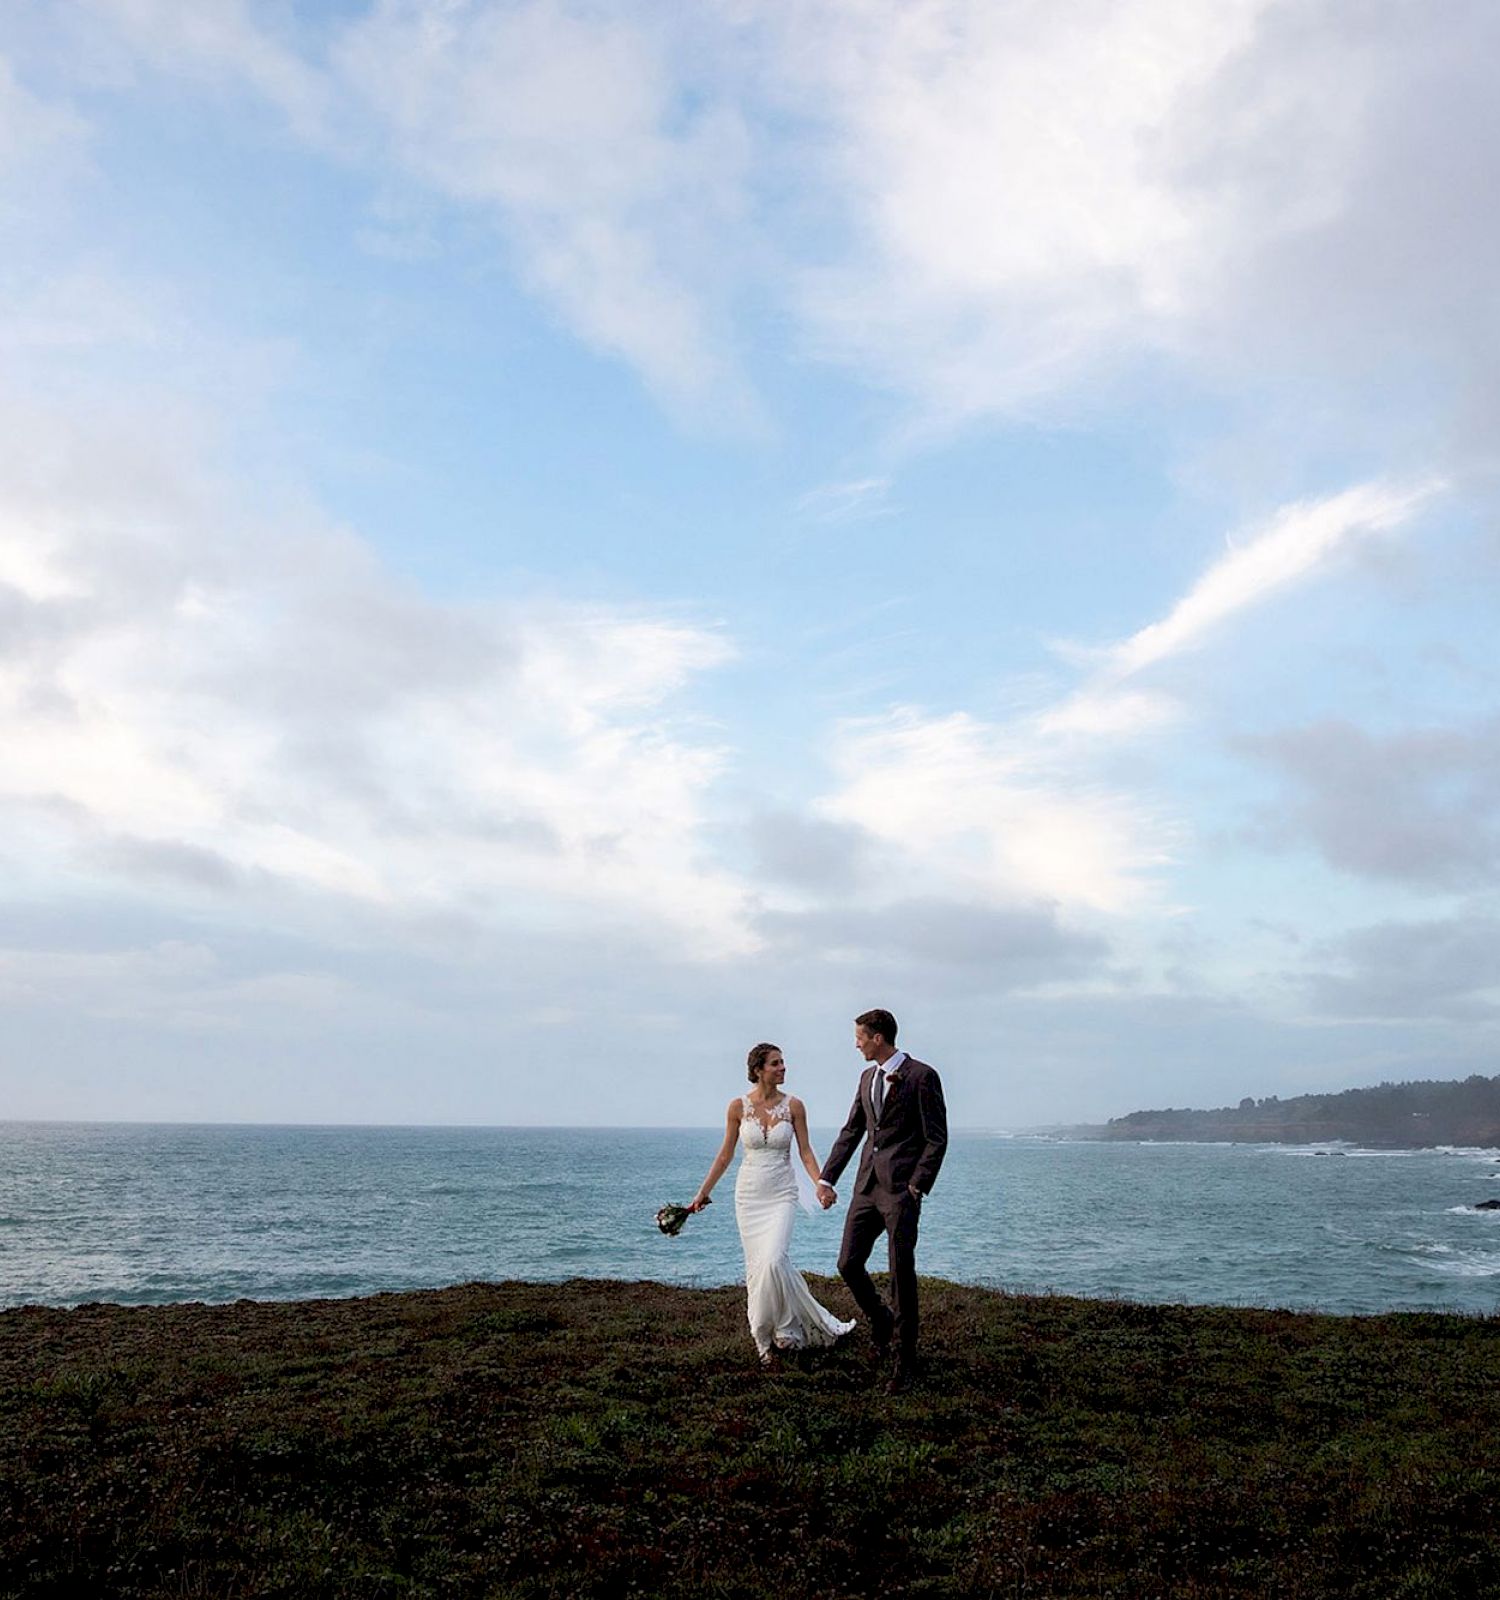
(147, 1214)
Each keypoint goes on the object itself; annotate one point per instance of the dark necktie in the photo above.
(877, 1091)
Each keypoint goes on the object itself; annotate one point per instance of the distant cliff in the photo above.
(1392, 1116)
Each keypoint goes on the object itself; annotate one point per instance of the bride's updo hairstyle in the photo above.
(755, 1062)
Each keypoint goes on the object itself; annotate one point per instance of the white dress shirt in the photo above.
(888, 1071)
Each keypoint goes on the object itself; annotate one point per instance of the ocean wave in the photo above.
(1362, 1152)
(1451, 1261)
(1325, 1147)
(1478, 1265)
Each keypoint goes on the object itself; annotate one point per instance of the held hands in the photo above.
(827, 1195)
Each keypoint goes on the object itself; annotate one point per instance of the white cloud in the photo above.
(1002, 173)
(1031, 200)
(217, 43)
(70, 311)
(38, 143)
(573, 128)
(1298, 539)
(983, 206)
(1099, 712)
(190, 691)
(984, 808)
(27, 122)
(615, 180)
(1019, 808)
(856, 500)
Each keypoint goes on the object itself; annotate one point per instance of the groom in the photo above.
(899, 1112)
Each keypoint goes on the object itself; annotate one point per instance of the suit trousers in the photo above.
(896, 1215)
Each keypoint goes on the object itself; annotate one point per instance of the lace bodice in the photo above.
(768, 1137)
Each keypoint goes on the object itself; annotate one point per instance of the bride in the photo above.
(764, 1123)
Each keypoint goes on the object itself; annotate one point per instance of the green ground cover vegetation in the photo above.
(523, 1440)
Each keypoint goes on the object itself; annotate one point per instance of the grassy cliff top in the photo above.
(614, 1438)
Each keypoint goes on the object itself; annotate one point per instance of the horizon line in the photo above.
(499, 1127)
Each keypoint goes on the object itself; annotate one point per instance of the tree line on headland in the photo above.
(1390, 1116)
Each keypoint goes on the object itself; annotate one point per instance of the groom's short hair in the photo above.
(877, 1021)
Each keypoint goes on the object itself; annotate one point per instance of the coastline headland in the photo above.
(1391, 1116)
(613, 1438)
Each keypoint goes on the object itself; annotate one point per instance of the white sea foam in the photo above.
(1335, 1147)
(1479, 1265)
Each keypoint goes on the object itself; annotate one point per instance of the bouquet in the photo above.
(671, 1218)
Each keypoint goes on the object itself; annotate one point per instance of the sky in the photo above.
(545, 542)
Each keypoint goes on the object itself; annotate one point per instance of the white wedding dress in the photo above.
(783, 1314)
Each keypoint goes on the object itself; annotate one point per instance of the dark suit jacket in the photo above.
(905, 1148)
